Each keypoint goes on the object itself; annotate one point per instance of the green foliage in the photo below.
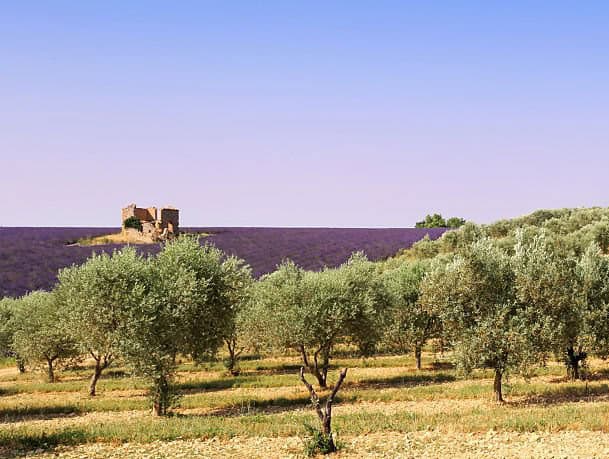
(474, 296)
(98, 296)
(316, 442)
(437, 221)
(425, 248)
(42, 335)
(133, 222)
(575, 228)
(187, 308)
(311, 312)
(432, 221)
(455, 222)
(409, 324)
(548, 279)
(594, 270)
(242, 332)
(8, 309)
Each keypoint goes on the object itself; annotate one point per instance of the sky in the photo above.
(332, 113)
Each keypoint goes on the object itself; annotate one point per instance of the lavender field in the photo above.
(30, 257)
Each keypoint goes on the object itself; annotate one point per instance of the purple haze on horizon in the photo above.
(339, 114)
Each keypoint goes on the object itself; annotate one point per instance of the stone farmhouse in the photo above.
(157, 224)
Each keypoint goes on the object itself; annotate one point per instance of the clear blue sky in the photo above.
(301, 113)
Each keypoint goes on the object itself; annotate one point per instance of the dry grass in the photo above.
(115, 238)
(432, 445)
(386, 409)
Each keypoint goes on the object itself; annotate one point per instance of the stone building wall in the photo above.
(144, 215)
(154, 221)
(170, 218)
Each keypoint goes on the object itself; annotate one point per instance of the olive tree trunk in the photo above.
(233, 356)
(318, 369)
(497, 389)
(325, 414)
(101, 363)
(574, 359)
(417, 355)
(20, 364)
(161, 397)
(50, 370)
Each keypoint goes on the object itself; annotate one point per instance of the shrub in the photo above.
(316, 442)
(133, 222)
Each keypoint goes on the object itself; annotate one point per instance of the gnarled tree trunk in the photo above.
(325, 414)
(317, 368)
(94, 378)
(101, 363)
(573, 362)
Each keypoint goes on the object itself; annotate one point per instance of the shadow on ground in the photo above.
(583, 393)
(407, 380)
(14, 445)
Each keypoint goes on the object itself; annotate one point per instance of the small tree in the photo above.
(324, 442)
(239, 335)
(437, 221)
(98, 296)
(8, 311)
(42, 333)
(432, 221)
(410, 325)
(188, 309)
(475, 300)
(311, 312)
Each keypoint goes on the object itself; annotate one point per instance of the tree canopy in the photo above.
(311, 312)
(187, 308)
(437, 221)
(42, 335)
(98, 297)
(474, 296)
(410, 324)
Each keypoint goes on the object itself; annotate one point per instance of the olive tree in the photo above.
(8, 312)
(410, 324)
(594, 269)
(549, 280)
(241, 334)
(188, 308)
(42, 333)
(311, 312)
(475, 299)
(98, 295)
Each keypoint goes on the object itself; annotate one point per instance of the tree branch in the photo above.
(341, 378)
(313, 394)
(305, 359)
